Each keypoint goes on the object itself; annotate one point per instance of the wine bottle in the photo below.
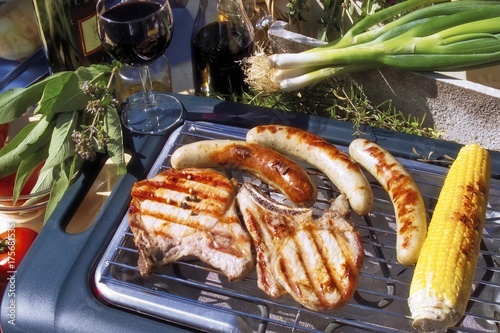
(222, 36)
(69, 33)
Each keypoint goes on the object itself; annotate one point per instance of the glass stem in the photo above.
(147, 86)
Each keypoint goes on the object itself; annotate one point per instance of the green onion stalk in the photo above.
(418, 35)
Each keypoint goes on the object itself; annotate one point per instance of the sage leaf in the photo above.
(26, 169)
(75, 166)
(93, 72)
(65, 173)
(8, 170)
(6, 166)
(59, 187)
(16, 141)
(46, 179)
(30, 139)
(115, 143)
(61, 146)
(15, 102)
(63, 95)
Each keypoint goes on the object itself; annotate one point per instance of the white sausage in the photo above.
(264, 163)
(409, 208)
(343, 171)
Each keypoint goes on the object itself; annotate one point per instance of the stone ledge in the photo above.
(463, 111)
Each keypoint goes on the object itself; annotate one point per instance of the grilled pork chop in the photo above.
(189, 212)
(316, 261)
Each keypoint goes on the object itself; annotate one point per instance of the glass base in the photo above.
(154, 119)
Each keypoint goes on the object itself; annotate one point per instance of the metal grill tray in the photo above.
(193, 294)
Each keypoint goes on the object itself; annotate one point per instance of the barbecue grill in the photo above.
(89, 282)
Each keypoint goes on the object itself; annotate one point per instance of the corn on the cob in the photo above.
(443, 277)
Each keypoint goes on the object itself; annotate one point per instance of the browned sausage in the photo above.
(409, 208)
(264, 163)
(338, 166)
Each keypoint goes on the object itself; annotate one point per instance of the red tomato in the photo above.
(14, 243)
(7, 183)
(4, 131)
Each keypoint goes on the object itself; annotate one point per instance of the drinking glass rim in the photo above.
(101, 2)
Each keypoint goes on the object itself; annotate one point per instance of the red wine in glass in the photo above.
(142, 37)
(137, 33)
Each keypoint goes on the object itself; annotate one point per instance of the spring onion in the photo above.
(419, 35)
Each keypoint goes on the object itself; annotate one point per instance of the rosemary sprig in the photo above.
(340, 99)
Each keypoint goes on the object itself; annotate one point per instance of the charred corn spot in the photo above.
(445, 270)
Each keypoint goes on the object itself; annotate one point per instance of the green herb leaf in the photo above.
(25, 170)
(93, 73)
(29, 140)
(45, 180)
(115, 143)
(63, 95)
(59, 186)
(8, 170)
(75, 166)
(15, 102)
(65, 173)
(61, 146)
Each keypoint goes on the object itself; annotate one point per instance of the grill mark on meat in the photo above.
(320, 238)
(316, 261)
(343, 271)
(190, 212)
(291, 270)
(202, 218)
(321, 271)
(316, 269)
(201, 213)
(265, 235)
(202, 187)
(260, 250)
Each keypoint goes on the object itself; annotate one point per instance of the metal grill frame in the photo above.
(193, 294)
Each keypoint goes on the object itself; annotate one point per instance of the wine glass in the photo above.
(137, 32)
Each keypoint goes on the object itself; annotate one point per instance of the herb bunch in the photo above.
(94, 138)
(77, 121)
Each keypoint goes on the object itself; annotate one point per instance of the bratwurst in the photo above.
(409, 208)
(268, 165)
(341, 169)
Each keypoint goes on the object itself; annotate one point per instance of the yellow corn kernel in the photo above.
(443, 277)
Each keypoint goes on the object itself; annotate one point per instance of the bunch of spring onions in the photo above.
(418, 35)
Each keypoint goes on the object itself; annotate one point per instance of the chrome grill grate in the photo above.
(193, 294)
